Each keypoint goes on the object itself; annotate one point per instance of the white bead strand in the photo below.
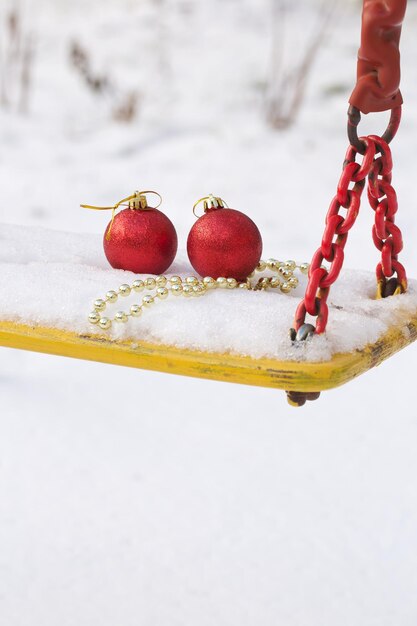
(191, 286)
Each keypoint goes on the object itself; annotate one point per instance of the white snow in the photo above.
(134, 498)
(52, 278)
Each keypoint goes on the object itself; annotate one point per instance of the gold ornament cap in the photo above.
(210, 202)
(137, 201)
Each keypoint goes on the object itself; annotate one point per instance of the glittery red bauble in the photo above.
(224, 242)
(143, 241)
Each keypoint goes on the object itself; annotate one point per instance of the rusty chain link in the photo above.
(386, 235)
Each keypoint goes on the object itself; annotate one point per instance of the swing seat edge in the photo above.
(298, 376)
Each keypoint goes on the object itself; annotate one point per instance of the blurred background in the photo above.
(131, 497)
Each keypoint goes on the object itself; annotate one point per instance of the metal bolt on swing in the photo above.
(377, 90)
(304, 332)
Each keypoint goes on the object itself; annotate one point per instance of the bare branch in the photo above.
(287, 85)
(16, 62)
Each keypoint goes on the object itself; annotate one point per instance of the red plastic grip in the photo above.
(378, 70)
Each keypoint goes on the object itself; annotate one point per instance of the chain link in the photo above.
(386, 235)
(376, 167)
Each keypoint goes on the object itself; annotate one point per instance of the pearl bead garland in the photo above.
(191, 286)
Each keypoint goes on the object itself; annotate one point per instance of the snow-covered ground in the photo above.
(130, 497)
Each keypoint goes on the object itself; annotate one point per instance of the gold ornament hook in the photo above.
(210, 202)
(136, 201)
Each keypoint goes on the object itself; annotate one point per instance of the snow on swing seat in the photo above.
(49, 279)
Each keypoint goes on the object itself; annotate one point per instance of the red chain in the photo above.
(386, 235)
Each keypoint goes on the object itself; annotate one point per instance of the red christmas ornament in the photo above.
(223, 242)
(140, 238)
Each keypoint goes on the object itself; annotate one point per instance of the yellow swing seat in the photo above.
(292, 376)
